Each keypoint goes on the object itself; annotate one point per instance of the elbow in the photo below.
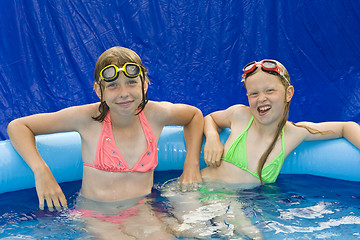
(351, 125)
(350, 128)
(198, 113)
(11, 126)
(197, 118)
(15, 126)
(207, 117)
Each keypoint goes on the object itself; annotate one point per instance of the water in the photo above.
(295, 207)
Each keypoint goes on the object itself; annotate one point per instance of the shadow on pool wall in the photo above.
(335, 158)
(194, 52)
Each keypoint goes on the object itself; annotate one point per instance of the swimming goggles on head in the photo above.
(111, 72)
(266, 65)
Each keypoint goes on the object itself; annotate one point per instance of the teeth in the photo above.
(264, 108)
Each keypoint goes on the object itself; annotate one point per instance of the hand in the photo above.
(213, 150)
(49, 190)
(190, 179)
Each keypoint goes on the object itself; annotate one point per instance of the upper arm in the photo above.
(322, 131)
(224, 118)
(174, 114)
(69, 119)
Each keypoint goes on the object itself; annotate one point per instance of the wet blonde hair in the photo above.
(285, 80)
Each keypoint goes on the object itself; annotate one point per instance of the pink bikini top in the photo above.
(108, 157)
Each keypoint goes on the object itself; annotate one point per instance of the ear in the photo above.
(146, 85)
(289, 93)
(97, 89)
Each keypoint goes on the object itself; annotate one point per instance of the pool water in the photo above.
(295, 207)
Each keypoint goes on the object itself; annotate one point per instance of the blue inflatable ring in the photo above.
(62, 152)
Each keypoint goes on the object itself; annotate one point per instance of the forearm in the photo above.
(211, 129)
(193, 134)
(23, 140)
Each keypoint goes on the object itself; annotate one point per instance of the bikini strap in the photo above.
(249, 124)
(283, 139)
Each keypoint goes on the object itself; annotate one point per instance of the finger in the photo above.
(63, 201)
(49, 203)
(218, 159)
(207, 158)
(182, 186)
(41, 202)
(57, 201)
(213, 160)
(178, 186)
(185, 187)
(57, 204)
(195, 187)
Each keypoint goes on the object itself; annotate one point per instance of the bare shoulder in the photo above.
(157, 106)
(292, 129)
(156, 112)
(232, 116)
(166, 113)
(78, 116)
(69, 119)
(82, 112)
(155, 109)
(240, 112)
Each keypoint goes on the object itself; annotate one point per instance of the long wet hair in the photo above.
(285, 80)
(118, 56)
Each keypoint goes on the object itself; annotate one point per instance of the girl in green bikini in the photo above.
(261, 137)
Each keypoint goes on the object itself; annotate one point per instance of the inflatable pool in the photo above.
(62, 152)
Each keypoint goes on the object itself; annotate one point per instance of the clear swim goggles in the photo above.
(111, 72)
(266, 65)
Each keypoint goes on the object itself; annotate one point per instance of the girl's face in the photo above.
(267, 97)
(123, 95)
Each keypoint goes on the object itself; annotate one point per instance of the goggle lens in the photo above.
(249, 67)
(132, 70)
(108, 73)
(270, 65)
(111, 72)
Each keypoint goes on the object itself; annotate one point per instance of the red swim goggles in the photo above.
(266, 65)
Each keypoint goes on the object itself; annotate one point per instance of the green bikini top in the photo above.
(236, 154)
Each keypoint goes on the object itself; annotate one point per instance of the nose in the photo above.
(123, 92)
(262, 96)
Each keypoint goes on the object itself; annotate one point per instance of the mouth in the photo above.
(125, 104)
(262, 110)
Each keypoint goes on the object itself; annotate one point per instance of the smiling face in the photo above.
(118, 56)
(267, 96)
(124, 94)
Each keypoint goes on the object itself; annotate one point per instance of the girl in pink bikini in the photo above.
(118, 135)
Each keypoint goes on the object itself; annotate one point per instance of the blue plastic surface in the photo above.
(62, 152)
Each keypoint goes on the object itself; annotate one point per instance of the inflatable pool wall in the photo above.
(62, 152)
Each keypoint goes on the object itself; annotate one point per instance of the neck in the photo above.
(266, 130)
(124, 121)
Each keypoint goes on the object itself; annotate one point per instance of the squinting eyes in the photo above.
(254, 94)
